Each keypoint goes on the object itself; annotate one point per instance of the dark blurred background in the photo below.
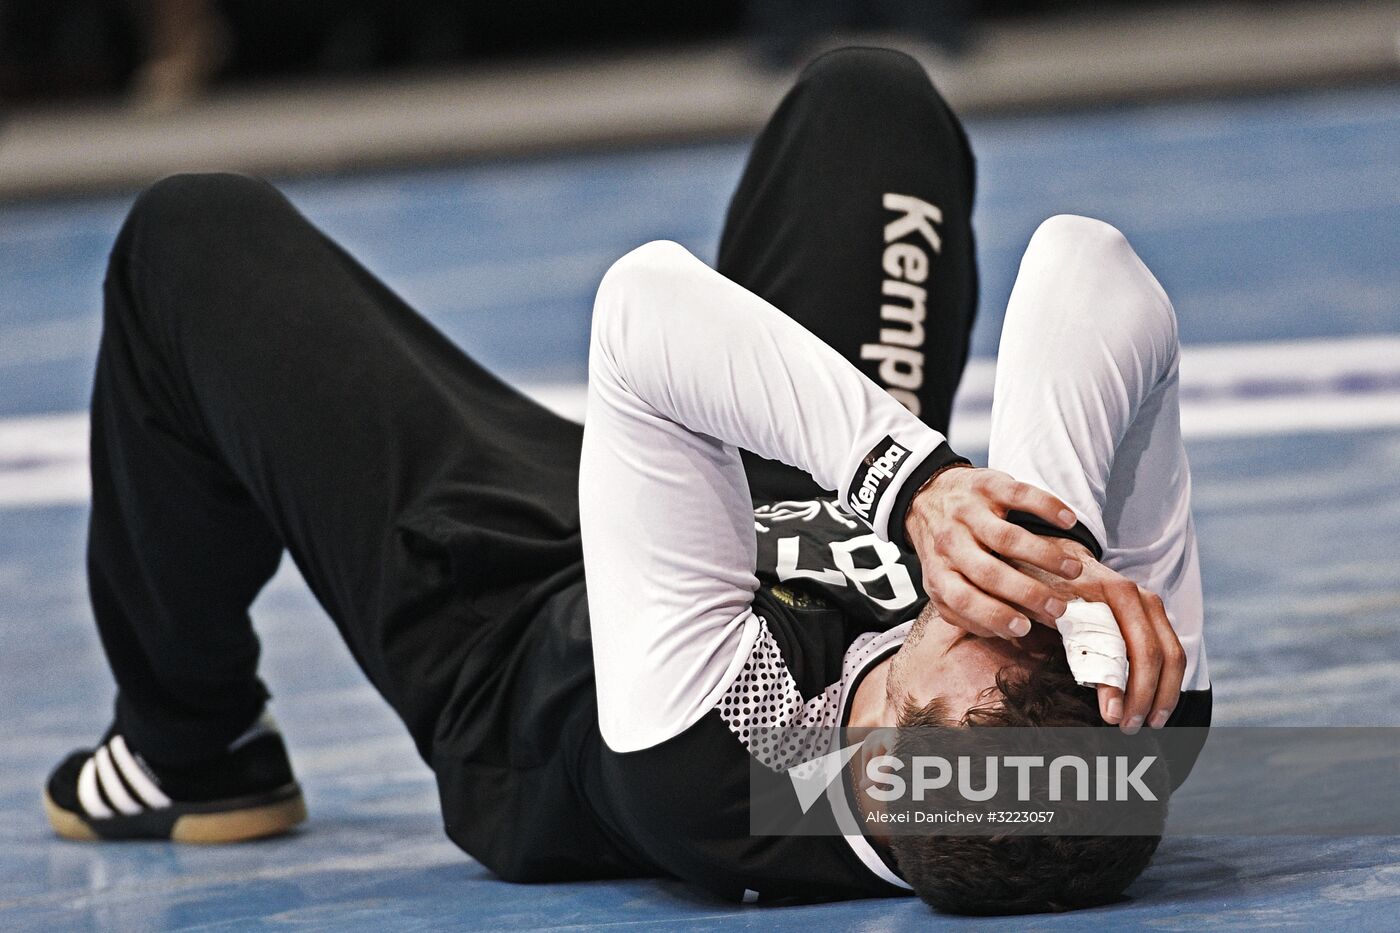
(102, 95)
(163, 52)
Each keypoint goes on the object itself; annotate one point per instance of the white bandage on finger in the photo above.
(1093, 644)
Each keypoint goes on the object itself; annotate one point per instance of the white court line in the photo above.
(1228, 390)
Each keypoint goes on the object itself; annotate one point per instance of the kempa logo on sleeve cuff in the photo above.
(873, 477)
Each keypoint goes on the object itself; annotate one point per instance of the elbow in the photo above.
(649, 256)
(1094, 258)
(638, 283)
(640, 272)
(1075, 239)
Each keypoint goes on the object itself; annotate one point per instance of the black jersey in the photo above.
(540, 796)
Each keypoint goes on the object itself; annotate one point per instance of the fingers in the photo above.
(972, 588)
(1173, 661)
(1144, 652)
(964, 605)
(1001, 581)
(1015, 543)
(1110, 704)
(1023, 497)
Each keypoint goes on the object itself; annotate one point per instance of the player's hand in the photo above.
(957, 525)
(1156, 660)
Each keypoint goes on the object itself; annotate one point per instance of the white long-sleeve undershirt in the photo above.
(686, 367)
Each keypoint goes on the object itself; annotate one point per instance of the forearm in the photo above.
(702, 352)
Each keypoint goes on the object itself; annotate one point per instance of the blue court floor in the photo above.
(1273, 222)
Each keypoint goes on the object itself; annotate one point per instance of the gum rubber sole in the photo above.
(237, 825)
(66, 823)
(198, 828)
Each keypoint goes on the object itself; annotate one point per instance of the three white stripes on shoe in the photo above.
(113, 782)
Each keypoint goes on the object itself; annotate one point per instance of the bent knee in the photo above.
(864, 68)
(878, 100)
(176, 197)
(181, 214)
(870, 78)
(193, 208)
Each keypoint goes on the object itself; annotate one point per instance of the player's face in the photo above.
(960, 668)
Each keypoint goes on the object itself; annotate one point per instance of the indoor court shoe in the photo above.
(111, 793)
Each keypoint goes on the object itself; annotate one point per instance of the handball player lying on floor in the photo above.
(586, 630)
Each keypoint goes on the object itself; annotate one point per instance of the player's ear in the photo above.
(878, 743)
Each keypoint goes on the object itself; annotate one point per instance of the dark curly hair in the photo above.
(1017, 874)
